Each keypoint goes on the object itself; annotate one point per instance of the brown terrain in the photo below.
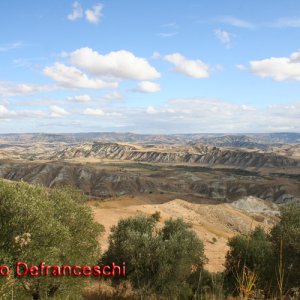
(221, 184)
(213, 223)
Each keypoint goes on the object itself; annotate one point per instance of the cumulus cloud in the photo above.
(210, 115)
(148, 87)
(278, 68)
(94, 14)
(93, 112)
(193, 68)
(223, 36)
(118, 64)
(8, 89)
(71, 77)
(57, 111)
(77, 12)
(6, 113)
(236, 22)
(80, 98)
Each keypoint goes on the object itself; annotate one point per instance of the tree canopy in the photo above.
(158, 260)
(45, 225)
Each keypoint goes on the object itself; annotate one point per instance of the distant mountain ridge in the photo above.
(251, 140)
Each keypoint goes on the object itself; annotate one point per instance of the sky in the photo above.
(161, 67)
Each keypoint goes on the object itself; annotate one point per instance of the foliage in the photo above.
(206, 285)
(249, 262)
(158, 261)
(286, 240)
(271, 261)
(45, 225)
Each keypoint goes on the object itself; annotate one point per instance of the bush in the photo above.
(249, 259)
(286, 240)
(266, 262)
(41, 225)
(158, 261)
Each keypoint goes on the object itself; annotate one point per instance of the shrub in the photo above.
(249, 263)
(158, 261)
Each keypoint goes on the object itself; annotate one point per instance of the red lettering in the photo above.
(20, 265)
(74, 269)
(96, 271)
(4, 270)
(33, 271)
(123, 269)
(41, 267)
(86, 271)
(103, 271)
(64, 269)
(115, 267)
(55, 271)
(47, 270)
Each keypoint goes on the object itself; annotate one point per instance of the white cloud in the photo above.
(241, 67)
(93, 15)
(5, 113)
(57, 111)
(181, 115)
(112, 96)
(223, 36)
(193, 68)
(71, 77)
(171, 25)
(167, 34)
(229, 20)
(278, 68)
(286, 22)
(8, 89)
(148, 87)
(9, 114)
(94, 112)
(155, 55)
(118, 64)
(80, 98)
(199, 115)
(151, 110)
(11, 46)
(77, 12)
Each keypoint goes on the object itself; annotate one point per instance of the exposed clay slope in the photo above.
(118, 179)
(194, 154)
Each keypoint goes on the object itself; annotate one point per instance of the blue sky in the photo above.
(149, 66)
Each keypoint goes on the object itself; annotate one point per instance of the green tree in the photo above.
(286, 238)
(46, 225)
(158, 261)
(249, 255)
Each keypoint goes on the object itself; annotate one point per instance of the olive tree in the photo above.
(158, 261)
(45, 225)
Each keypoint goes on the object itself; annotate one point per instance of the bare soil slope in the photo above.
(213, 223)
